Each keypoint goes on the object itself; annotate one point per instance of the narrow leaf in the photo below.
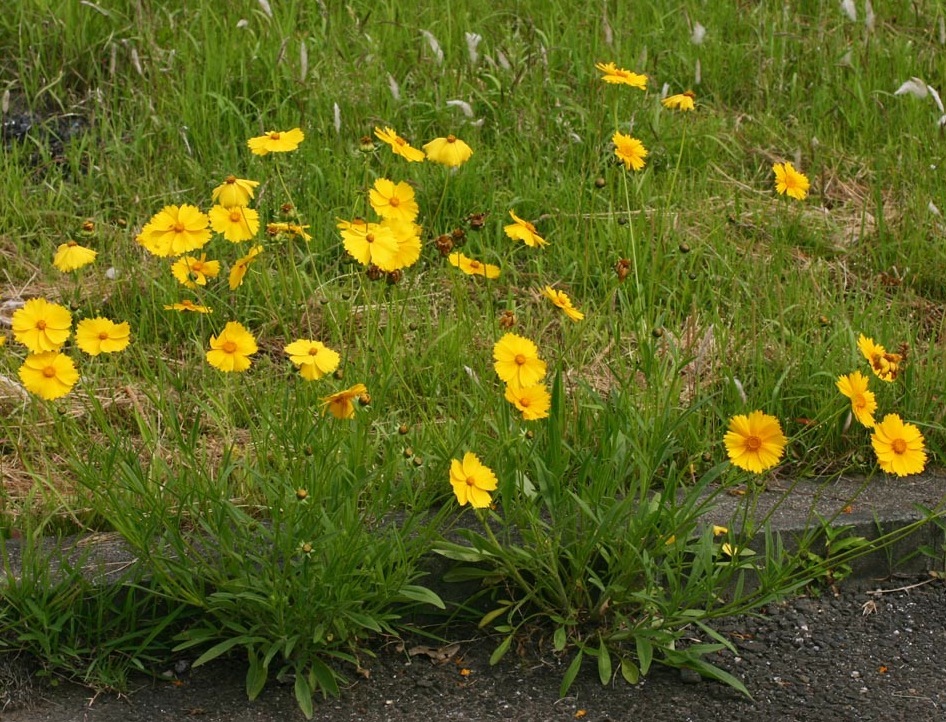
(304, 695)
(500, 651)
(630, 672)
(604, 663)
(570, 674)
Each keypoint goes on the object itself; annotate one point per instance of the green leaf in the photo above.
(304, 695)
(645, 653)
(418, 593)
(460, 553)
(604, 662)
(559, 639)
(713, 672)
(222, 648)
(490, 616)
(255, 676)
(630, 672)
(324, 677)
(500, 651)
(570, 674)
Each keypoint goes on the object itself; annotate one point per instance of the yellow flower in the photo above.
(533, 401)
(789, 181)
(71, 256)
(370, 243)
(561, 299)
(398, 145)
(276, 142)
(313, 358)
(393, 202)
(524, 231)
(293, 229)
(754, 442)
(614, 74)
(193, 272)
(407, 235)
(49, 375)
(231, 350)
(517, 361)
(472, 481)
(188, 305)
(234, 192)
(863, 403)
(682, 101)
(342, 404)
(450, 151)
(239, 268)
(472, 267)
(175, 230)
(720, 530)
(899, 446)
(629, 150)
(3, 339)
(41, 326)
(102, 335)
(237, 223)
(886, 366)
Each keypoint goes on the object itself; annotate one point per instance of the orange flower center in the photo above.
(899, 446)
(400, 141)
(859, 401)
(313, 351)
(49, 372)
(470, 481)
(72, 244)
(369, 237)
(41, 325)
(229, 346)
(520, 359)
(231, 179)
(187, 304)
(178, 227)
(451, 139)
(103, 335)
(274, 135)
(475, 265)
(394, 202)
(524, 401)
(753, 443)
(235, 216)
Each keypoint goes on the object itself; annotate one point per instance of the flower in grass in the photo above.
(102, 335)
(885, 365)
(175, 230)
(369, 243)
(472, 267)
(863, 403)
(517, 361)
(70, 256)
(616, 75)
(630, 151)
(789, 181)
(41, 326)
(234, 192)
(293, 229)
(524, 231)
(393, 201)
(561, 299)
(720, 530)
(341, 405)
(313, 358)
(3, 339)
(232, 348)
(681, 101)
(899, 446)
(472, 481)
(49, 375)
(533, 401)
(399, 146)
(192, 272)
(754, 442)
(237, 223)
(450, 151)
(188, 305)
(240, 267)
(407, 234)
(276, 142)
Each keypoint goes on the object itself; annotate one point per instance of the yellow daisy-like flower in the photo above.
(276, 142)
(755, 442)
(313, 358)
(41, 326)
(472, 267)
(293, 229)
(399, 145)
(517, 361)
(789, 181)
(533, 401)
(616, 75)
(188, 305)
(885, 365)
(450, 151)
(561, 299)
(524, 231)
(175, 230)
(630, 151)
(393, 202)
(49, 375)
(231, 350)
(102, 335)
(863, 403)
(407, 234)
(239, 269)
(234, 192)
(899, 446)
(192, 272)
(71, 256)
(682, 101)
(342, 404)
(3, 339)
(237, 223)
(472, 481)
(370, 243)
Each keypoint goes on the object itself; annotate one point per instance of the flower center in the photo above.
(231, 179)
(394, 202)
(524, 401)
(178, 227)
(103, 335)
(400, 141)
(451, 139)
(475, 265)
(470, 481)
(313, 351)
(899, 446)
(72, 244)
(274, 135)
(41, 325)
(229, 346)
(520, 359)
(187, 303)
(753, 443)
(369, 237)
(49, 372)
(859, 401)
(235, 216)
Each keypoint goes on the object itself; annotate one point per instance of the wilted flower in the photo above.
(472, 481)
(885, 365)
(49, 375)
(293, 229)
(524, 231)
(614, 74)
(789, 181)
(188, 305)
(450, 151)
(682, 101)
(234, 192)
(561, 299)
(754, 442)
(240, 267)
(533, 401)
(102, 335)
(41, 326)
(193, 272)
(630, 151)
(517, 361)
(393, 202)
(175, 230)
(863, 403)
(342, 404)
(70, 256)
(899, 446)
(231, 350)
(313, 358)
(236, 223)
(472, 267)
(276, 142)
(399, 145)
